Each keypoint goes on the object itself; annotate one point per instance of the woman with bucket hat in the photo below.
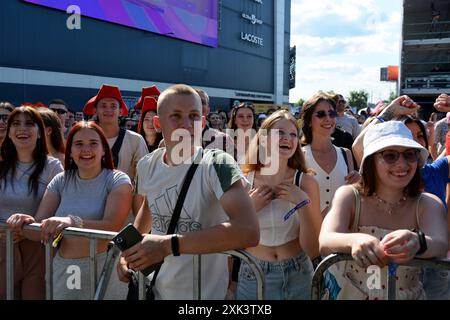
(385, 218)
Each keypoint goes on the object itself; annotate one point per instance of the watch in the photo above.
(175, 245)
(77, 221)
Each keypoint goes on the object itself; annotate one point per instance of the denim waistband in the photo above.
(295, 263)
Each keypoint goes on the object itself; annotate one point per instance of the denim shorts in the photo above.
(284, 280)
(436, 284)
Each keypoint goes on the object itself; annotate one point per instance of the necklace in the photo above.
(391, 206)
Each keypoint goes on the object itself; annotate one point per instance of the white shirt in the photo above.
(328, 183)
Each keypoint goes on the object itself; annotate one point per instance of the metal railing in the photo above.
(98, 288)
(428, 30)
(332, 259)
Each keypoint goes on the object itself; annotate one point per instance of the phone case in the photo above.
(127, 238)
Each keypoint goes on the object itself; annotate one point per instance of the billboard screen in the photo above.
(191, 20)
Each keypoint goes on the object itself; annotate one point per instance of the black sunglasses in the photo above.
(59, 111)
(392, 156)
(4, 117)
(322, 114)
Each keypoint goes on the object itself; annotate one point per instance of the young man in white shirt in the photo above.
(217, 214)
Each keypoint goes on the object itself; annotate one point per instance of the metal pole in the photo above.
(9, 265)
(49, 271)
(93, 265)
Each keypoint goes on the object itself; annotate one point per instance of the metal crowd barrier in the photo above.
(98, 288)
(337, 257)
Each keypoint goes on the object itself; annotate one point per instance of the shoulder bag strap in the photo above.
(177, 211)
(116, 147)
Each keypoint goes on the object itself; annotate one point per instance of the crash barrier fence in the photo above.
(317, 281)
(98, 284)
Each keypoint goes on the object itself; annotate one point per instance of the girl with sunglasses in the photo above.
(386, 218)
(333, 166)
(287, 203)
(435, 176)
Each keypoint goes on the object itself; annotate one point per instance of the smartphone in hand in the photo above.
(128, 237)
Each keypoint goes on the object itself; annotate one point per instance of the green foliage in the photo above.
(358, 99)
(300, 102)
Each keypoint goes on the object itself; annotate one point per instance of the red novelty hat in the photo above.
(106, 91)
(148, 91)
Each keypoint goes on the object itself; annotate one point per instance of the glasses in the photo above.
(342, 101)
(4, 117)
(322, 114)
(59, 111)
(392, 156)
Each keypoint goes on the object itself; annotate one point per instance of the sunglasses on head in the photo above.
(59, 111)
(392, 156)
(4, 117)
(322, 114)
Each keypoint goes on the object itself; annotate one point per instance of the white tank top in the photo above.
(273, 229)
(328, 183)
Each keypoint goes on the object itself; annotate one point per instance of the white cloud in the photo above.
(341, 45)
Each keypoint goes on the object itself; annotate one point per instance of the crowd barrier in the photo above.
(98, 287)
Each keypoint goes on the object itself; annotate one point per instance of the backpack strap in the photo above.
(116, 147)
(298, 178)
(344, 154)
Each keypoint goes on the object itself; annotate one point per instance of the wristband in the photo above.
(422, 242)
(175, 245)
(297, 207)
(380, 119)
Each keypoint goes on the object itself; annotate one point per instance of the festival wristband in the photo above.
(298, 206)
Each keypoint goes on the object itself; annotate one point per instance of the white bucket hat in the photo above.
(390, 134)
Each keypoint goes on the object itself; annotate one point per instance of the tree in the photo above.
(358, 99)
(392, 96)
(300, 102)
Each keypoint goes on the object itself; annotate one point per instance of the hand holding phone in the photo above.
(128, 237)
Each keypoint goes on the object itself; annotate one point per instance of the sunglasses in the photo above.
(4, 117)
(59, 111)
(322, 114)
(342, 101)
(392, 156)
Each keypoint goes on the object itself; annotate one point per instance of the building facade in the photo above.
(425, 51)
(41, 58)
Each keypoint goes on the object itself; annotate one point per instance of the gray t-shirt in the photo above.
(16, 197)
(85, 198)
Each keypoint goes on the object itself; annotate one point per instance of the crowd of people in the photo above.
(193, 182)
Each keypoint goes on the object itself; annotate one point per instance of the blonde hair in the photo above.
(297, 161)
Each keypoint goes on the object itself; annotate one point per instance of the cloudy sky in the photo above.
(342, 44)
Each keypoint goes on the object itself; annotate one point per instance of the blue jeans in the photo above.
(284, 280)
(436, 284)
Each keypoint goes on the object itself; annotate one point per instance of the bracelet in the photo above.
(422, 242)
(380, 119)
(297, 207)
(77, 221)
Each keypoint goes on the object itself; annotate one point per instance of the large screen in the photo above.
(191, 20)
